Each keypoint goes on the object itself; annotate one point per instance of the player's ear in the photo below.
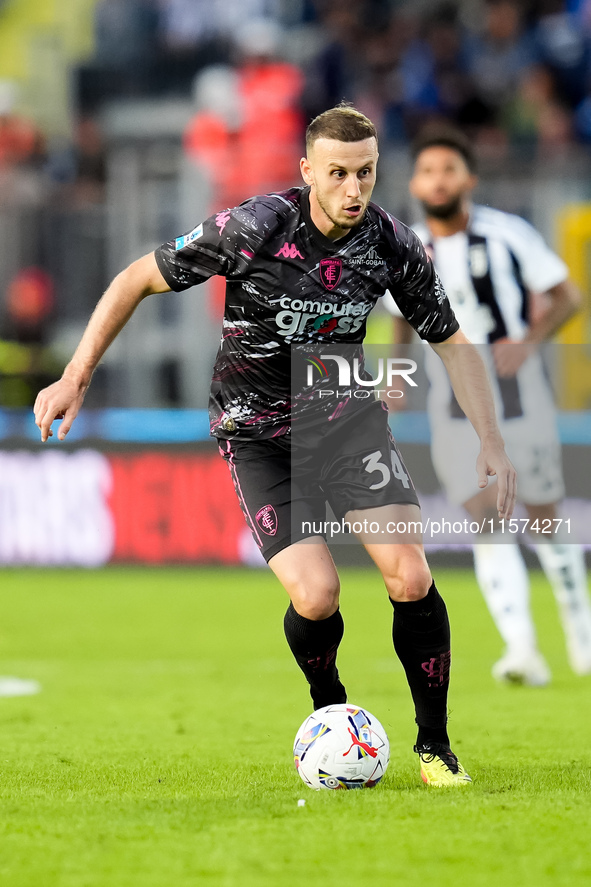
(412, 187)
(306, 171)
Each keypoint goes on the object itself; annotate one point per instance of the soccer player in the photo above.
(306, 266)
(490, 263)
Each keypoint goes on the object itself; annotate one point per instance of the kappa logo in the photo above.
(289, 251)
(371, 258)
(266, 518)
(331, 271)
(222, 219)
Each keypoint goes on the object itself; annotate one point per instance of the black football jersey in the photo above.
(289, 285)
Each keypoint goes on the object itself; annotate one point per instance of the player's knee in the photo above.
(316, 600)
(410, 581)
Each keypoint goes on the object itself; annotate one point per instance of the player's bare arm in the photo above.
(564, 301)
(471, 386)
(403, 337)
(403, 332)
(63, 399)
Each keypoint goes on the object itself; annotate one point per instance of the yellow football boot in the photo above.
(439, 766)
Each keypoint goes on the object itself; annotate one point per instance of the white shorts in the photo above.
(531, 441)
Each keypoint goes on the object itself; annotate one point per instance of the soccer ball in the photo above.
(341, 746)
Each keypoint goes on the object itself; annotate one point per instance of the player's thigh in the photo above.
(536, 455)
(483, 507)
(308, 573)
(454, 450)
(365, 468)
(548, 512)
(277, 510)
(544, 523)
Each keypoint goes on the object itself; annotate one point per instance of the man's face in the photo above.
(441, 181)
(341, 176)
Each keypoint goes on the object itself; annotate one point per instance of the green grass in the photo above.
(159, 752)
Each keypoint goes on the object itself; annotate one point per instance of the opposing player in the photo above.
(306, 266)
(490, 263)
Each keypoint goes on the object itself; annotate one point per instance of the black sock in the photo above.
(314, 645)
(421, 638)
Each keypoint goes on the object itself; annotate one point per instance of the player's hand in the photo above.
(493, 461)
(62, 400)
(509, 355)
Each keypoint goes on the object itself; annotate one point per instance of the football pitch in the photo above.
(159, 750)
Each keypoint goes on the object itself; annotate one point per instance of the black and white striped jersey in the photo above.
(489, 271)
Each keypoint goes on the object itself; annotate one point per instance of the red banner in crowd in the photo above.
(171, 508)
(89, 508)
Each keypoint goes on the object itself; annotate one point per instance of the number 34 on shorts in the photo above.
(376, 465)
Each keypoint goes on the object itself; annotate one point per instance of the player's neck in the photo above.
(448, 227)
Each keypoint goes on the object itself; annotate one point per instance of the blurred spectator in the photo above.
(25, 361)
(189, 23)
(76, 170)
(29, 302)
(125, 34)
(497, 57)
(197, 33)
(582, 10)
(90, 160)
(189, 39)
(582, 120)
(211, 137)
(435, 83)
(562, 46)
(537, 118)
(248, 130)
(184, 24)
(21, 142)
(405, 64)
(233, 15)
(271, 131)
(335, 72)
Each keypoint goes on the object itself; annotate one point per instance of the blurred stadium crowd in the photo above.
(510, 71)
(247, 76)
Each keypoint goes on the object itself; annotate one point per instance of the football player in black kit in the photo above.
(305, 267)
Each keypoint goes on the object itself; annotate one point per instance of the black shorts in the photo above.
(283, 485)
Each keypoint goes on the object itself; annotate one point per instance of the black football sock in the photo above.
(421, 638)
(314, 645)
